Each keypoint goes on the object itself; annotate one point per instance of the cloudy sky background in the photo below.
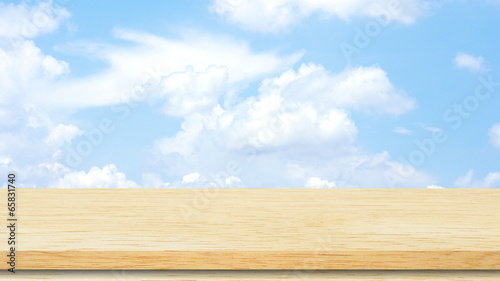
(232, 93)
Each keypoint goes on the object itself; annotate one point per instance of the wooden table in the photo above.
(258, 229)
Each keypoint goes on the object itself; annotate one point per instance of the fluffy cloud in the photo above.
(107, 177)
(29, 135)
(24, 67)
(272, 16)
(192, 73)
(152, 180)
(492, 180)
(23, 21)
(315, 182)
(304, 107)
(208, 65)
(494, 134)
(189, 91)
(298, 127)
(359, 88)
(195, 180)
(62, 134)
(470, 62)
(190, 178)
(56, 175)
(25, 70)
(205, 65)
(296, 132)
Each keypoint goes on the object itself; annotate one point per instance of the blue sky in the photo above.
(228, 93)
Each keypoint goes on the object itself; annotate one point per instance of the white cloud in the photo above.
(190, 178)
(273, 16)
(267, 122)
(30, 136)
(474, 64)
(56, 175)
(433, 186)
(232, 180)
(151, 180)
(297, 128)
(402, 130)
(189, 91)
(205, 65)
(4, 160)
(315, 182)
(25, 70)
(5, 165)
(299, 119)
(195, 180)
(107, 177)
(23, 21)
(306, 107)
(494, 134)
(62, 134)
(359, 88)
(195, 71)
(185, 64)
(492, 180)
(54, 169)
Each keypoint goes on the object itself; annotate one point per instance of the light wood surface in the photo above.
(256, 229)
(136, 275)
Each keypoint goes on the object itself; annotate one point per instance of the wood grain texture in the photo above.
(136, 275)
(257, 229)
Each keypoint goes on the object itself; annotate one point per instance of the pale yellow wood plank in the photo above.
(120, 275)
(257, 229)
